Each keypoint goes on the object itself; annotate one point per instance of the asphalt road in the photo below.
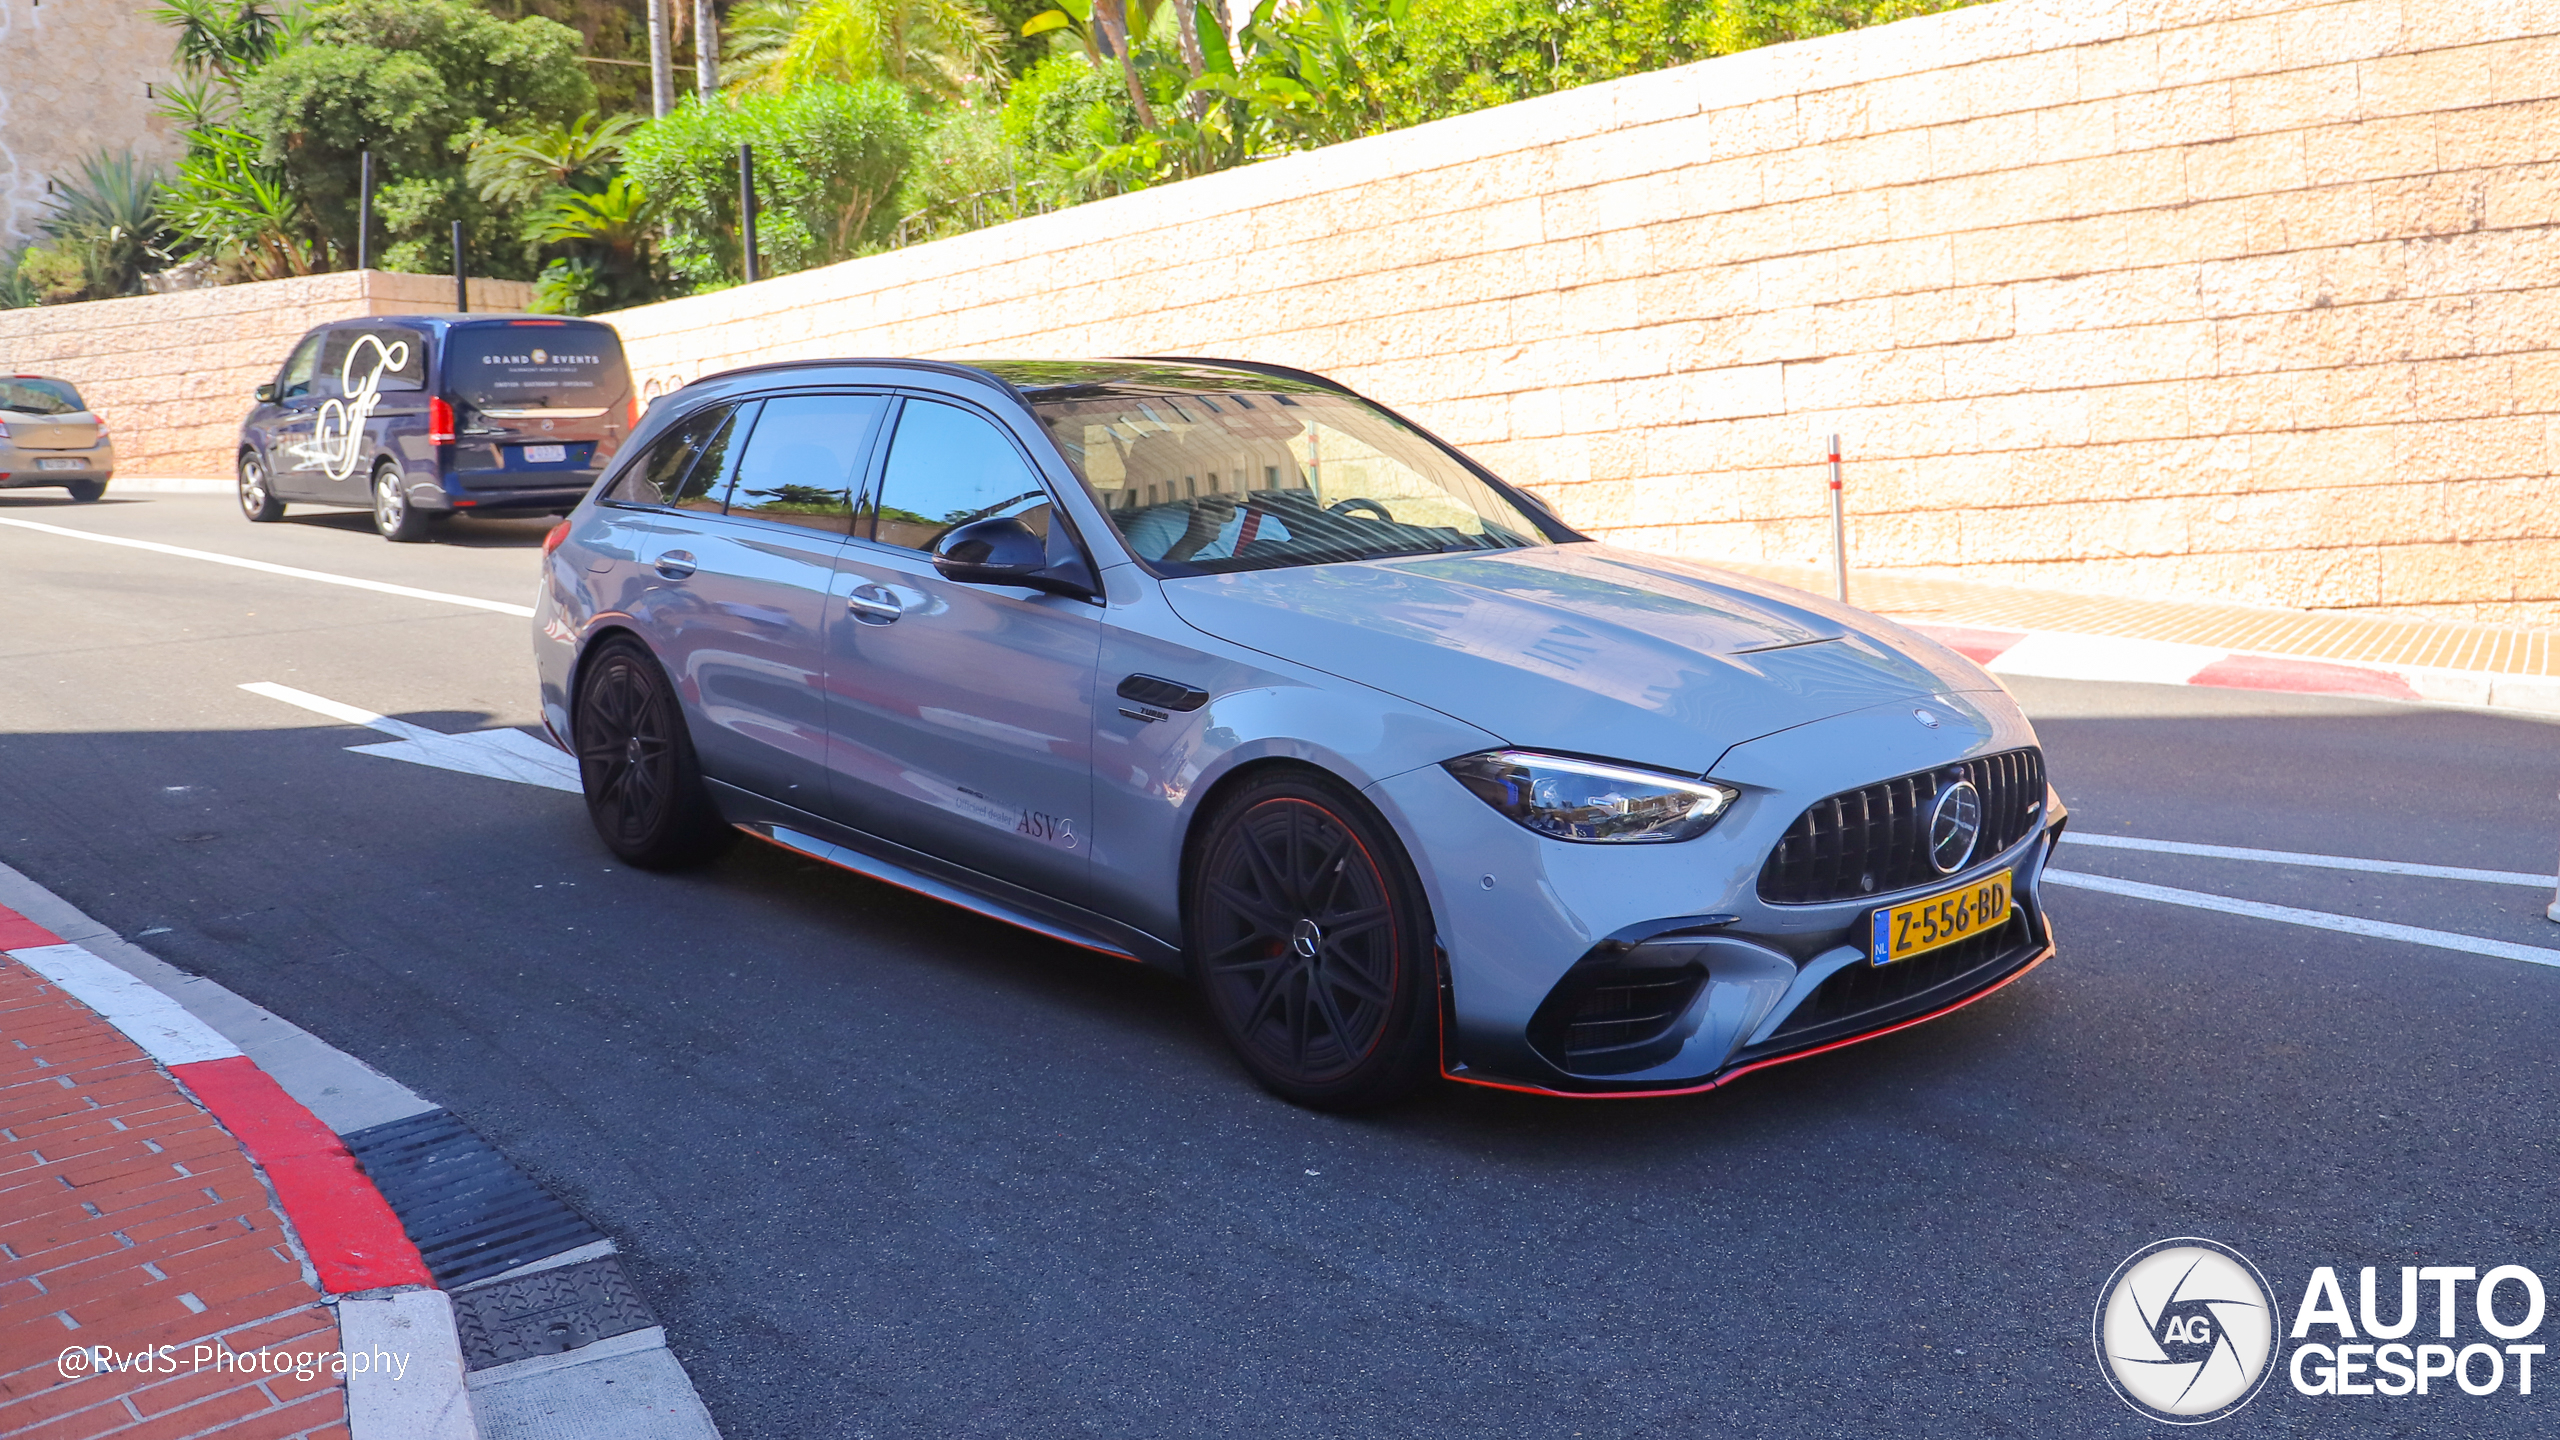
(887, 1169)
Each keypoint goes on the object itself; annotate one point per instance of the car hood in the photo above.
(1583, 648)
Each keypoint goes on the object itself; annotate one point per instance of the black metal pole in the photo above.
(364, 215)
(461, 277)
(747, 208)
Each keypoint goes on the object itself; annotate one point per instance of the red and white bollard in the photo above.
(1840, 544)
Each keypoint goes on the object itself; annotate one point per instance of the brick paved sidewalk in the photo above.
(2450, 651)
(130, 1221)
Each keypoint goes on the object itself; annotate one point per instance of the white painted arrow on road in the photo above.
(497, 754)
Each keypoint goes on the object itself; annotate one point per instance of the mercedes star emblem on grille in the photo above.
(1955, 822)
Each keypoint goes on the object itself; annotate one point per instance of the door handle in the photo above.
(883, 611)
(675, 564)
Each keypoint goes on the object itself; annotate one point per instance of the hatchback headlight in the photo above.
(1586, 800)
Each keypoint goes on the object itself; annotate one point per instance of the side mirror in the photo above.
(267, 393)
(1003, 551)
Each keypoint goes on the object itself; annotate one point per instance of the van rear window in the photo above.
(535, 367)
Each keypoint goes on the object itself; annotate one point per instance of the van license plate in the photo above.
(1942, 919)
(61, 465)
(545, 454)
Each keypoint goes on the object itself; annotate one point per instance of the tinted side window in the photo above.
(295, 379)
(682, 466)
(804, 459)
(391, 358)
(948, 467)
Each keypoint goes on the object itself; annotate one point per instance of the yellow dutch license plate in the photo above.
(1903, 931)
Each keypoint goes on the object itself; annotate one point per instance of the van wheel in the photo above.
(257, 500)
(393, 515)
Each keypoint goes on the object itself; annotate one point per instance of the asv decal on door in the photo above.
(337, 436)
(1048, 829)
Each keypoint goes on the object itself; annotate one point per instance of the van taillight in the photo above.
(439, 422)
(551, 540)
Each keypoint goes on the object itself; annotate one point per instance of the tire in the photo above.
(636, 763)
(393, 516)
(1311, 941)
(257, 495)
(85, 491)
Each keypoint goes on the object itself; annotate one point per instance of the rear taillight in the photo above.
(439, 422)
(635, 413)
(102, 427)
(551, 540)
(4, 429)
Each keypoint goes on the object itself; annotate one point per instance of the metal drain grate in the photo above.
(547, 1312)
(469, 1210)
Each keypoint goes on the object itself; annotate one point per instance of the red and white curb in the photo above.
(2062, 655)
(371, 1275)
(287, 1097)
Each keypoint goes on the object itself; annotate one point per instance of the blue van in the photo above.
(420, 417)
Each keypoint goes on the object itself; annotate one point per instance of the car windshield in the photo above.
(535, 365)
(30, 396)
(1200, 480)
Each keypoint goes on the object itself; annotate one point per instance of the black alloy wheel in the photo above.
(257, 497)
(636, 763)
(1311, 941)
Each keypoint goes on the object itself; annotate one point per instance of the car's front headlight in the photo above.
(1586, 800)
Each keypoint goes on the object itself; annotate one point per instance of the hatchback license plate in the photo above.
(60, 465)
(545, 454)
(1903, 931)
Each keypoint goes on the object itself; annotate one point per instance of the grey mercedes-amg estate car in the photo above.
(1222, 668)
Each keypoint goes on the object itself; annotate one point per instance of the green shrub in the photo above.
(414, 81)
(830, 161)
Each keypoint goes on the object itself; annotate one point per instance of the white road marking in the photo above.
(2323, 862)
(496, 754)
(289, 571)
(2315, 919)
(152, 1020)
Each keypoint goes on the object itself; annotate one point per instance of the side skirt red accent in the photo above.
(1729, 1076)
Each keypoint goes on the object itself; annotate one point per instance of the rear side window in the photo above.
(803, 460)
(684, 467)
(535, 368)
(948, 467)
(30, 396)
(386, 358)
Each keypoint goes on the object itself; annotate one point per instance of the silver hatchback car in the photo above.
(1222, 668)
(50, 436)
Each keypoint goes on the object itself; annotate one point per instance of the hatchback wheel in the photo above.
(636, 762)
(257, 500)
(86, 490)
(393, 515)
(1311, 941)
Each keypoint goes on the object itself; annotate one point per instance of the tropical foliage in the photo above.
(830, 158)
(874, 123)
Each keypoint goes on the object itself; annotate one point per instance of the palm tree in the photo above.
(222, 38)
(519, 169)
(936, 49)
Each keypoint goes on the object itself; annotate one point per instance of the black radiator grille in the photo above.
(1862, 989)
(1874, 840)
